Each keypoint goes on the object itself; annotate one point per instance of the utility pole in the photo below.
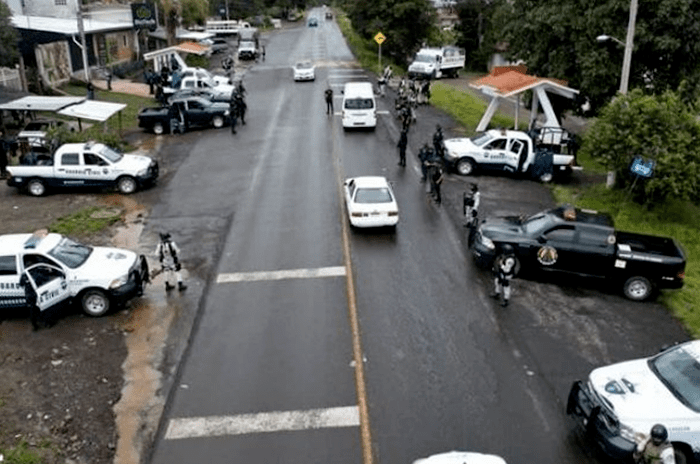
(629, 44)
(83, 46)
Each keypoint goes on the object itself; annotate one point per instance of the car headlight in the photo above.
(120, 282)
(487, 242)
(627, 432)
(226, 113)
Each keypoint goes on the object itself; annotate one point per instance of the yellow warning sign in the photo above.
(379, 38)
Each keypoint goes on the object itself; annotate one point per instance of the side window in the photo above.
(92, 159)
(516, 146)
(351, 188)
(70, 159)
(595, 237)
(497, 144)
(8, 265)
(560, 234)
(189, 84)
(195, 105)
(31, 259)
(44, 275)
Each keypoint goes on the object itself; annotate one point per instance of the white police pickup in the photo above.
(94, 277)
(621, 401)
(82, 165)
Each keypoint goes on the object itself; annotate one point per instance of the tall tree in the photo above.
(558, 39)
(194, 12)
(9, 38)
(477, 31)
(405, 23)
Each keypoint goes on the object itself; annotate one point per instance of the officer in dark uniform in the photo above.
(403, 143)
(438, 139)
(424, 155)
(435, 174)
(242, 107)
(233, 111)
(329, 100)
(504, 271)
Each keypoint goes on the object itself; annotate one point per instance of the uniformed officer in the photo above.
(655, 448)
(233, 111)
(504, 270)
(424, 155)
(242, 107)
(435, 174)
(438, 139)
(403, 143)
(329, 100)
(168, 255)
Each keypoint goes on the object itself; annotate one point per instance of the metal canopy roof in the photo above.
(35, 103)
(93, 110)
(65, 25)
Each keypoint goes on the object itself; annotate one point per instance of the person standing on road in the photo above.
(4, 149)
(654, 448)
(403, 143)
(233, 111)
(435, 174)
(242, 107)
(168, 255)
(424, 155)
(329, 100)
(438, 142)
(504, 271)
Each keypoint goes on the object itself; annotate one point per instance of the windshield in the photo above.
(679, 370)
(481, 139)
(359, 104)
(304, 65)
(71, 253)
(425, 58)
(111, 154)
(535, 223)
(373, 195)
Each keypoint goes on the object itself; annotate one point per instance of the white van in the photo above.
(359, 106)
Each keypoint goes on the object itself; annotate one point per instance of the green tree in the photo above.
(654, 127)
(405, 23)
(194, 12)
(8, 37)
(558, 39)
(478, 31)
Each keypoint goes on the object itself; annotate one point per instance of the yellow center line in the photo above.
(360, 387)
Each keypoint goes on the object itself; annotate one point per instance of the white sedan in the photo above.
(461, 457)
(304, 71)
(370, 202)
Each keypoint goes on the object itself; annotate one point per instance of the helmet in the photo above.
(164, 236)
(475, 187)
(438, 128)
(659, 434)
(507, 249)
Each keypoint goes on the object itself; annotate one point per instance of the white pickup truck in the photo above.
(539, 154)
(82, 165)
(61, 269)
(199, 78)
(433, 63)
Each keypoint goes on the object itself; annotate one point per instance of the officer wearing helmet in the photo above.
(655, 448)
(168, 255)
(503, 270)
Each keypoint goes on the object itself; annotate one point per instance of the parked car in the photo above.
(35, 132)
(461, 457)
(195, 111)
(620, 402)
(584, 242)
(304, 71)
(218, 44)
(370, 202)
(313, 22)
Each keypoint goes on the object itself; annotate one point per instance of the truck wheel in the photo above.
(682, 454)
(218, 122)
(466, 167)
(36, 187)
(637, 288)
(546, 177)
(158, 128)
(94, 303)
(126, 185)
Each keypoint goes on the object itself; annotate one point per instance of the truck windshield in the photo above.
(111, 154)
(425, 58)
(481, 139)
(71, 253)
(679, 370)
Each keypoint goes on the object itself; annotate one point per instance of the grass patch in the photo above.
(674, 218)
(87, 221)
(466, 109)
(21, 454)
(366, 51)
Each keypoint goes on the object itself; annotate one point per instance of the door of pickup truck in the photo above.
(82, 169)
(48, 284)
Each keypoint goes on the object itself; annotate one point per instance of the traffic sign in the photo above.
(379, 38)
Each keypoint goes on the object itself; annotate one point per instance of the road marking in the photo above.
(333, 271)
(277, 421)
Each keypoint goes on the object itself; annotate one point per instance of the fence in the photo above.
(10, 78)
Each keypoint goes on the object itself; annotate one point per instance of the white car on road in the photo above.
(370, 202)
(461, 457)
(304, 71)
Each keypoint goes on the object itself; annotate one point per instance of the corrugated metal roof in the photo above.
(93, 110)
(36, 103)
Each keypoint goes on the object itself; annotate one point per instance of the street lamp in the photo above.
(629, 44)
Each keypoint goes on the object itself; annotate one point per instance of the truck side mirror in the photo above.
(541, 239)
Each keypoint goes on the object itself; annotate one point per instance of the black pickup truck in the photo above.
(188, 112)
(584, 242)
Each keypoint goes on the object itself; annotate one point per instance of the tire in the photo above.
(127, 185)
(546, 178)
(637, 288)
(681, 455)
(466, 167)
(95, 303)
(36, 187)
(158, 128)
(218, 122)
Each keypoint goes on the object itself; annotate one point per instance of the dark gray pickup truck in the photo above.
(188, 112)
(582, 242)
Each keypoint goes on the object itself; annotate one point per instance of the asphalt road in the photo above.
(290, 294)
